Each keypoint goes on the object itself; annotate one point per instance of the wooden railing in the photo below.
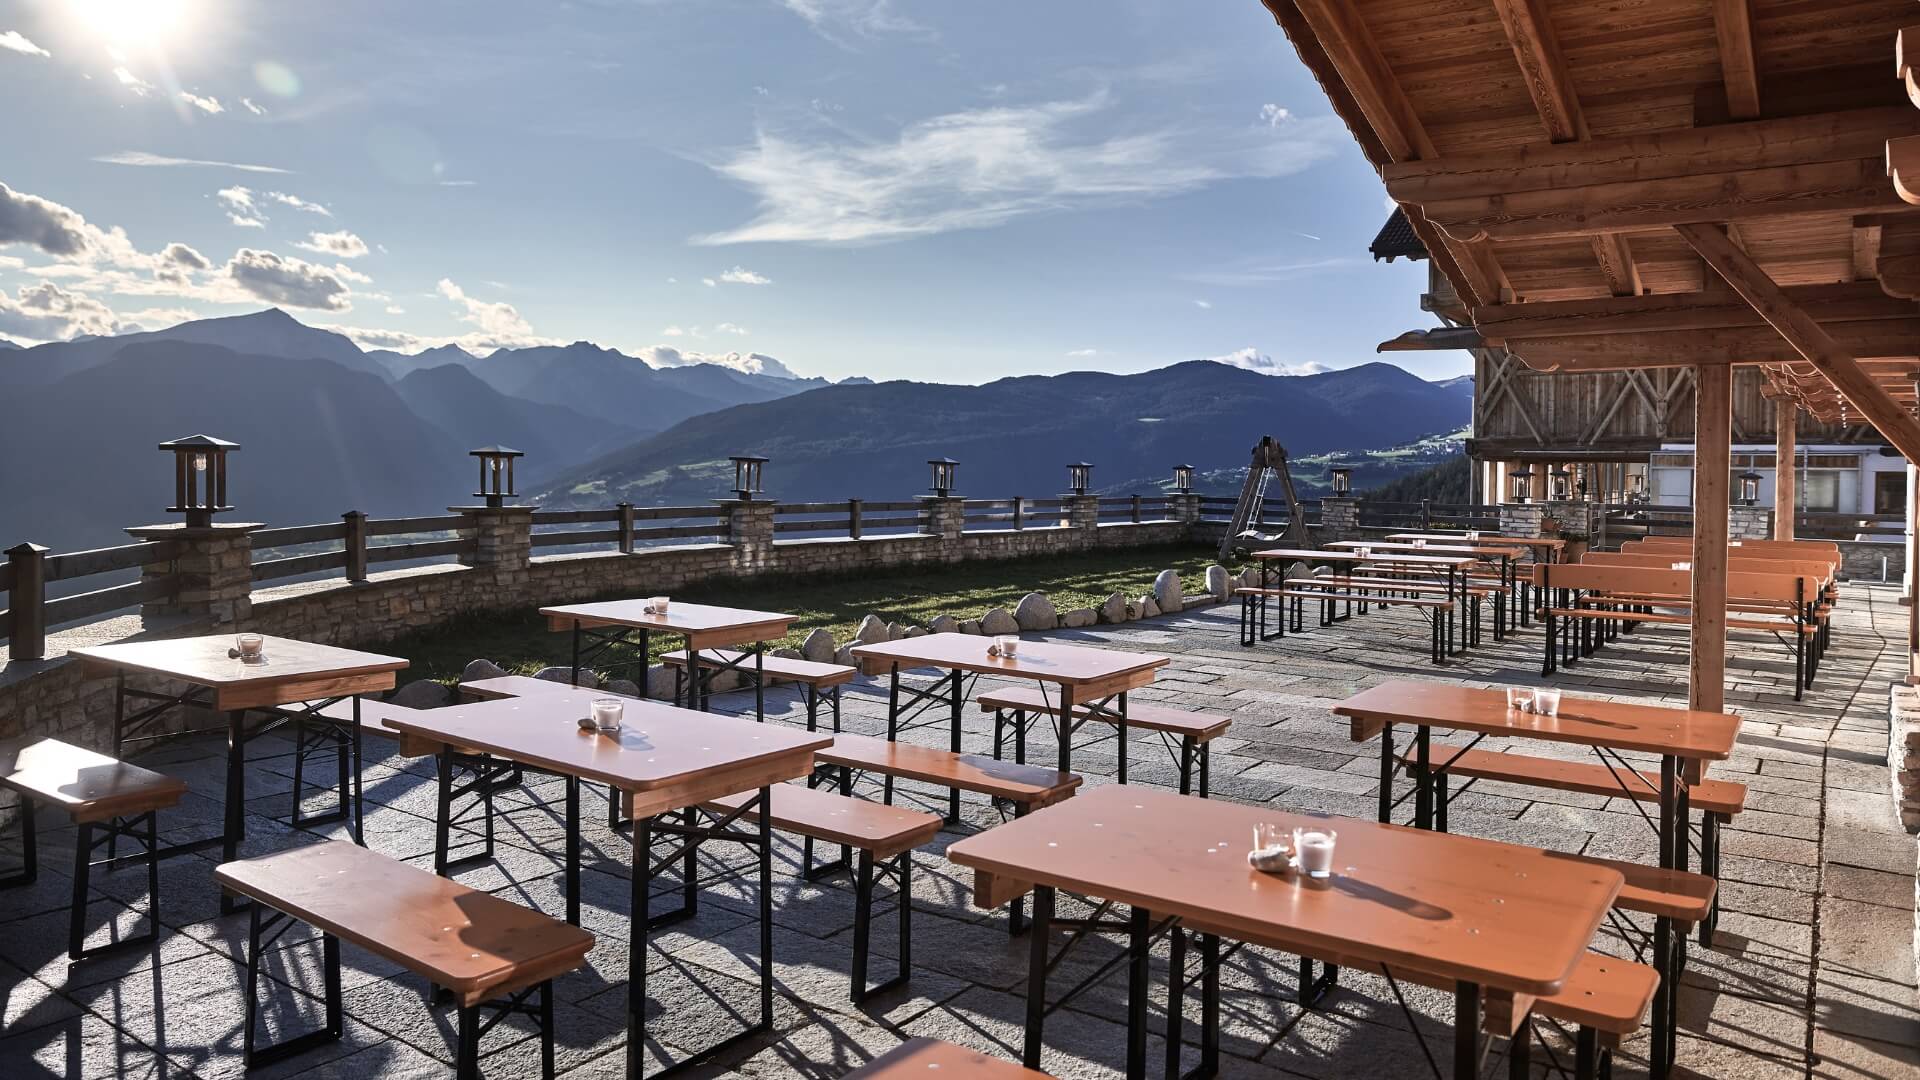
(1014, 513)
(349, 545)
(572, 528)
(30, 570)
(1631, 521)
(1427, 514)
(854, 517)
(1134, 508)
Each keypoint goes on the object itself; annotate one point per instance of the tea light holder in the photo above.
(1313, 850)
(607, 713)
(248, 648)
(1006, 645)
(1519, 699)
(657, 605)
(1546, 702)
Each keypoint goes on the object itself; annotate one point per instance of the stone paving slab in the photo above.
(1812, 973)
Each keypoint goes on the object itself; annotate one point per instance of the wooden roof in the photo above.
(1579, 168)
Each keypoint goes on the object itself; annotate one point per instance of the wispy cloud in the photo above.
(299, 203)
(982, 168)
(15, 41)
(841, 20)
(238, 202)
(143, 159)
(1253, 359)
(135, 83)
(209, 104)
(248, 104)
(1204, 305)
(500, 324)
(731, 328)
(1273, 115)
(1267, 271)
(740, 275)
(1080, 353)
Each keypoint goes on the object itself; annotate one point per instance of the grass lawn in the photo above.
(521, 643)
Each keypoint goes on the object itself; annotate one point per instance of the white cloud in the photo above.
(46, 312)
(673, 281)
(1269, 270)
(459, 183)
(280, 279)
(247, 103)
(675, 331)
(1204, 305)
(984, 167)
(832, 19)
(396, 309)
(500, 324)
(730, 328)
(349, 274)
(209, 104)
(139, 86)
(740, 275)
(666, 356)
(144, 159)
(1254, 360)
(342, 244)
(708, 282)
(240, 207)
(15, 41)
(44, 224)
(181, 255)
(299, 203)
(1083, 352)
(1273, 115)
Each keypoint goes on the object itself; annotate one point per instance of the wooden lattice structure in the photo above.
(1651, 188)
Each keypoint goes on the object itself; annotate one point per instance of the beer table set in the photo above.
(1455, 566)
(664, 758)
(1506, 555)
(1089, 683)
(1502, 922)
(1684, 739)
(292, 681)
(1545, 549)
(599, 627)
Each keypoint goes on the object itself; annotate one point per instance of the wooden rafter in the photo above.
(1733, 26)
(1807, 336)
(1706, 310)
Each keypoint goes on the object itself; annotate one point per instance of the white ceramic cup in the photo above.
(606, 713)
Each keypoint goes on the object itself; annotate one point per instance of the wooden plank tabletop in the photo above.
(718, 625)
(1554, 543)
(1334, 555)
(660, 748)
(1684, 733)
(1508, 917)
(292, 671)
(460, 938)
(1477, 547)
(1042, 661)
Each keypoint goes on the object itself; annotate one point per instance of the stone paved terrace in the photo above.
(1812, 975)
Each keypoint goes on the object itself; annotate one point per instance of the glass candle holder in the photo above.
(1314, 849)
(606, 713)
(657, 605)
(1272, 848)
(1519, 699)
(1008, 644)
(1546, 702)
(251, 648)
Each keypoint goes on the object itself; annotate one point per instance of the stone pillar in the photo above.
(211, 572)
(1339, 519)
(1081, 512)
(750, 531)
(1184, 506)
(1522, 519)
(1749, 522)
(944, 516)
(502, 542)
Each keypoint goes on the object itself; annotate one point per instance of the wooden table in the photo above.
(1510, 921)
(599, 627)
(665, 758)
(1091, 682)
(1507, 555)
(1684, 739)
(294, 673)
(1456, 568)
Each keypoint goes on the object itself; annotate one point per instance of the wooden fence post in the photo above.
(356, 544)
(626, 527)
(1136, 509)
(26, 602)
(853, 518)
(1018, 508)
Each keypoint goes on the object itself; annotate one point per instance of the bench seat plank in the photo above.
(840, 819)
(1146, 715)
(776, 667)
(1780, 625)
(1029, 784)
(1477, 588)
(89, 786)
(1678, 894)
(1322, 594)
(1605, 993)
(511, 686)
(923, 1058)
(1590, 778)
(470, 942)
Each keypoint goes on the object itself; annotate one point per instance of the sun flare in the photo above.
(143, 24)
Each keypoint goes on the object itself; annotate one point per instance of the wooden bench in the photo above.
(1253, 613)
(489, 953)
(884, 835)
(922, 1059)
(812, 676)
(1383, 590)
(98, 793)
(1196, 731)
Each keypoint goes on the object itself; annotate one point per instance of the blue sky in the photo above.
(893, 188)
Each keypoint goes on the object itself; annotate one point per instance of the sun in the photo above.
(144, 24)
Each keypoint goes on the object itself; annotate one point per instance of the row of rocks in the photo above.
(1035, 613)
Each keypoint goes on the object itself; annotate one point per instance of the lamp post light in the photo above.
(199, 477)
(496, 474)
(1342, 480)
(746, 476)
(943, 470)
(1639, 490)
(1183, 478)
(1750, 488)
(1562, 483)
(1079, 477)
(1522, 483)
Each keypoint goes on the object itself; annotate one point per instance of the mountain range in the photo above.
(326, 427)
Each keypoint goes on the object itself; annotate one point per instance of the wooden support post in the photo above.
(625, 510)
(26, 602)
(1712, 469)
(1913, 575)
(1786, 504)
(853, 518)
(355, 542)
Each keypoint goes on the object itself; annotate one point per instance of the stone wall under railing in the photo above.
(498, 572)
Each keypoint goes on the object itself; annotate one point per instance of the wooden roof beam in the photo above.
(1807, 336)
(1706, 310)
(1733, 26)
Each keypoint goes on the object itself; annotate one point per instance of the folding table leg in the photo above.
(1466, 1030)
(1139, 952)
(1037, 976)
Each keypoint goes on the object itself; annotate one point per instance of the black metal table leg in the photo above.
(1139, 951)
(234, 827)
(573, 850)
(1037, 976)
(1466, 1030)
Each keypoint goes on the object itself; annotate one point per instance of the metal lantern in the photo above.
(1342, 480)
(1639, 485)
(1749, 488)
(746, 476)
(942, 475)
(1562, 483)
(199, 477)
(496, 474)
(1079, 477)
(1522, 483)
(1183, 478)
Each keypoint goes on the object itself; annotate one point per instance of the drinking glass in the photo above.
(657, 605)
(1314, 848)
(1546, 702)
(606, 713)
(1519, 698)
(1008, 644)
(249, 647)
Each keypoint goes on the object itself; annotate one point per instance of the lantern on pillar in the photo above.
(1749, 488)
(1342, 480)
(1183, 478)
(943, 469)
(199, 477)
(1079, 477)
(1638, 492)
(746, 476)
(496, 474)
(1522, 483)
(1562, 483)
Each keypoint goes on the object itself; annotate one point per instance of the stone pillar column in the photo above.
(750, 531)
(502, 543)
(1749, 522)
(1339, 519)
(1081, 512)
(211, 573)
(1184, 506)
(1522, 519)
(944, 516)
